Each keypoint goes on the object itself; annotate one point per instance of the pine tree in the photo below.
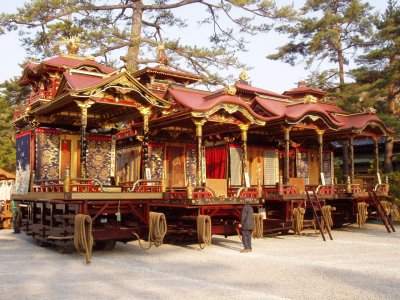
(138, 27)
(379, 73)
(326, 30)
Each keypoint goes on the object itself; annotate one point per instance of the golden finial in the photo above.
(162, 56)
(243, 75)
(230, 90)
(72, 43)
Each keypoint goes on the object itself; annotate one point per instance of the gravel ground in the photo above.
(357, 264)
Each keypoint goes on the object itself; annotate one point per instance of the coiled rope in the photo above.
(326, 215)
(298, 214)
(83, 238)
(204, 230)
(362, 213)
(258, 231)
(387, 207)
(157, 230)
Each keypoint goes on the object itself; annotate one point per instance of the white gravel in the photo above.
(357, 264)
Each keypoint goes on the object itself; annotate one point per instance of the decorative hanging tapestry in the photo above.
(156, 160)
(271, 167)
(47, 154)
(327, 166)
(191, 164)
(302, 164)
(98, 159)
(235, 168)
(23, 144)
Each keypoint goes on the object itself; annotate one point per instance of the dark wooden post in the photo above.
(84, 144)
(286, 131)
(351, 159)
(376, 155)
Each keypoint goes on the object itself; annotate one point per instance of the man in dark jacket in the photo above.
(247, 224)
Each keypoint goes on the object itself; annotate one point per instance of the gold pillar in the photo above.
(84, 145)
(351, 159)
(376, 156)
(320, 153)
(286, 175)
(145, 112)
(199, 135)
(244, 128)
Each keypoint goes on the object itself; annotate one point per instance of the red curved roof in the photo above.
(201, 101)
(72, 62)
(358, 121)
(254, 90)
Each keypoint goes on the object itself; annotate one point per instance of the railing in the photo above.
(203, 192)
(40, 95)
(144, 186)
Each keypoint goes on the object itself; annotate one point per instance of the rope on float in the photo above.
(157, 230)
(258, 231)
(326, 215)
(362, 213)
(298, 214)
(83, 238)
(204, 230)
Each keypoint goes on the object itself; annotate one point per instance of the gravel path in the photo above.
(357, 264)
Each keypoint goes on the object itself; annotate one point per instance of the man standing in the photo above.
(247, 224)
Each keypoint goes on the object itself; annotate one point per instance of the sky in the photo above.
(271, 75)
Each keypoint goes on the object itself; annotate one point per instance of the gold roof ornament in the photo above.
(243, 75)
(162, 56)
(230, 90)
(310, 99)
(72, 43)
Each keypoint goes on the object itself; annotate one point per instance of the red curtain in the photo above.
(216, 163)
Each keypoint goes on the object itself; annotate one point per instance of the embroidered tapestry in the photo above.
(99, 160)
(302, 164)
(327, 167)
(23, 144)
(47, 155)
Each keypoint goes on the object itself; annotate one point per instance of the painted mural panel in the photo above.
(23, 144)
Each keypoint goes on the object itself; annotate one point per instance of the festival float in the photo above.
(146, 154)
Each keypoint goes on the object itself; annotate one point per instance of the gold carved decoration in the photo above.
(243, 75)
(310, 99)
(199, 126)
(229, 108)
(230, 90)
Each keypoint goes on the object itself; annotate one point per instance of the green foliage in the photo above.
(379, 70)
(394, 185)
(326, 31)
(7, 146)
(138, 27)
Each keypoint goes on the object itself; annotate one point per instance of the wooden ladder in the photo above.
(381, 212)
(311, 197)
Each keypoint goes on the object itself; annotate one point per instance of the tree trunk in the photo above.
(388, 155)
(132, 57)
(341, 62)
